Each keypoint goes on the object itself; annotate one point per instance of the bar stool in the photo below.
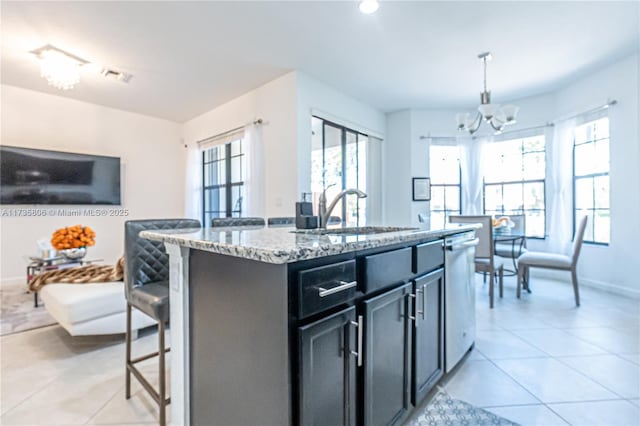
(147, 289)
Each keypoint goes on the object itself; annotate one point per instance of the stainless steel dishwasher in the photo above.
(460, 297)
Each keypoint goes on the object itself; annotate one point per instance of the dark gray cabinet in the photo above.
(387, 367)
(327, 368)
(428, 333)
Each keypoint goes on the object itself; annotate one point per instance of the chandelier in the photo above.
(61, 69)
(494, 114)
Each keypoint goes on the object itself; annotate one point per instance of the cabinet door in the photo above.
(428, 333)
(328, 370)
(387, 357)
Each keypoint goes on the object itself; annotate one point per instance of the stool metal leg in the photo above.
(162, 377)
(128, 356)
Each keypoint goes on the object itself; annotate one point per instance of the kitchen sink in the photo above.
(356, 230)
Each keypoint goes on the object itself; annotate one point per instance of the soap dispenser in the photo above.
(304, 213)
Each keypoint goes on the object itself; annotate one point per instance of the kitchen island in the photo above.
(270, 326)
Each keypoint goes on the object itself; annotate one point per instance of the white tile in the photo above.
(504, 345)
(119, 410)
(612, 372)
(475, 355)
(69, 399)
(551, 381)
(618, 413)
(558, 342)
(482, 384)
(614, 340)
(529, 415)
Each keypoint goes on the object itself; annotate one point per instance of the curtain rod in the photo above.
(455, 138)
(225, 133)
(609, 103)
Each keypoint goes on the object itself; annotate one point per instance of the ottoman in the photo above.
(90, 309)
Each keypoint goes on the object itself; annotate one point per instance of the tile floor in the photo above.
(537, 361)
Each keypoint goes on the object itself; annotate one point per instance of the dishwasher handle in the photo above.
(464, 245)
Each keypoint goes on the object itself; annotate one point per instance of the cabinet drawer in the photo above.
(384, 269)
(326, 286)
(427, 257)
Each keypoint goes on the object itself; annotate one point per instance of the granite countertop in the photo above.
(280, 244)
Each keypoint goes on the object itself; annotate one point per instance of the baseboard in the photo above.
(586, 282)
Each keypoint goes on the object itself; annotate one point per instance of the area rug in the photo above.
(17, 312)
(444, 410)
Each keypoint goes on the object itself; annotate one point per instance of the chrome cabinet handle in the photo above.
(358, 353)
(414, 318)
(323, 292)
(424, 300)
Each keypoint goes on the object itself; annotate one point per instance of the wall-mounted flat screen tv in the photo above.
(35, 176)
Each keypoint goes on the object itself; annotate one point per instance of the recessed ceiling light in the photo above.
(369, 6)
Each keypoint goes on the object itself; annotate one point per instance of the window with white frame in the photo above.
(591, 179)
(514, 181)
(223, 181)
(444, 171)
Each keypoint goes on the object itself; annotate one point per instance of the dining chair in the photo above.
(535, 259)
(485, 258)
(237, 221)
(146, 278)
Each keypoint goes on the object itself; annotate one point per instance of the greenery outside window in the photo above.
(444, 171)
(514, 181)
(591, 179)
(222, 181)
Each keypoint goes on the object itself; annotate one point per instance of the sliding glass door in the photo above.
(338, 162)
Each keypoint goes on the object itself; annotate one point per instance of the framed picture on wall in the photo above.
(421, 189)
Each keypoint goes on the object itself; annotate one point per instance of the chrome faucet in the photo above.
(324, 212)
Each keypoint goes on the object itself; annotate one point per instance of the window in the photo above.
(591, 179)
(444, 171)
(222, 181)
(514, 181)
(339, 161)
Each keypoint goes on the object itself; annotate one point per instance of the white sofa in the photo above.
(90, 309)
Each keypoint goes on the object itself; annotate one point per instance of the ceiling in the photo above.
(189, 57)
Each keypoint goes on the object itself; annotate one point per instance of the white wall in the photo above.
(319, 98)
(152, 168)
(275, 103)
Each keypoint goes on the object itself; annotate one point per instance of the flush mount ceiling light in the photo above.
(369, 6)
(494, 114)
(61, 69)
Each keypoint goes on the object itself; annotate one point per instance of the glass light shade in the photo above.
(59, 70)
(461, 119)
(369, 6)
(488, 110)
(510, 112)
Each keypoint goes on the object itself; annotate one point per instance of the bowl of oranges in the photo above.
(72, 241)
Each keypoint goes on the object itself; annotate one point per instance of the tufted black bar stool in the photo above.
(281, 221)
(147, 289)
(237, 221)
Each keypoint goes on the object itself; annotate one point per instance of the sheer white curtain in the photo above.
(560, 140)
(471, 156)
(193, 182)
(254, 179)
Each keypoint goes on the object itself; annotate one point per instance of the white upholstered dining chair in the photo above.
(485, 259)
(534, 259)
